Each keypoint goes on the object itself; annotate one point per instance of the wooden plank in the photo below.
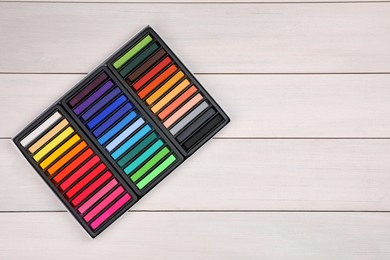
(241, 175)
(200, 236)
(217, 38)
(195, 1)
(280, 105)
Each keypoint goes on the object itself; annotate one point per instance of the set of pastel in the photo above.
(75, 170)
(174, 97)
(125, 135)
(121, 131)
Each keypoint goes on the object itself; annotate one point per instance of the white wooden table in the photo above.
(302, 171)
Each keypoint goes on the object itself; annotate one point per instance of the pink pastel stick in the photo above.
(104, 203)
(110, 211)
(83, 208)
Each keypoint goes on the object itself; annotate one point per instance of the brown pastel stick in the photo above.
(152, 60)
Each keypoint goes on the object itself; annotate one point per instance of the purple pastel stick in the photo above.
(78, 110)
(88, 89)
(101, 103)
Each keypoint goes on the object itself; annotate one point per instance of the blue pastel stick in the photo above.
(119, 126)
(127, 132)
(101, 103)
(129, 143)
(106, 112)
(112, 119)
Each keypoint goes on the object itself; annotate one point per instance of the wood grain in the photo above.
(309, 131)
(280, 105)
(218, 38)
(241, 175)
(203, 2)
(199, 236)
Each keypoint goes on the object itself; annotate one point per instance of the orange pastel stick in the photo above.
(180, 100)
(67, 157)
(157, 81)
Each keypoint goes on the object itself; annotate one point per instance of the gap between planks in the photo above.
(215, 73)
(211, 211)
(282, 138)
(199, 3)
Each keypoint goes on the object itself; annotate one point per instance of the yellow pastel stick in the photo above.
(38, 144)
(59, 151)
(53, 143)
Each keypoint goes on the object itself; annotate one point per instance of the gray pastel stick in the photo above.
(189, 118)
(195, 125)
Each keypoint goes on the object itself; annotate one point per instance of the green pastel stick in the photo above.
(138, 174)
(140, 58)
(145, 181)
(143, 157)
(133, 152)
(133, 51)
